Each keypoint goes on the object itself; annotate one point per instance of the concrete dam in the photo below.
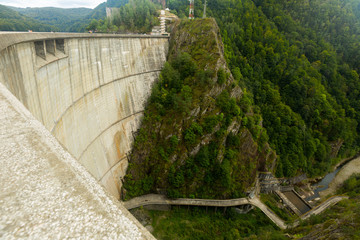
(89, 91)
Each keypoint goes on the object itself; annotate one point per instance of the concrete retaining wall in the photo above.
(91, 96)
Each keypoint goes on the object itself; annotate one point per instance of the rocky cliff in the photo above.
(200, 136)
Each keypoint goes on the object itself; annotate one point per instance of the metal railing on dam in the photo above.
(89, 91)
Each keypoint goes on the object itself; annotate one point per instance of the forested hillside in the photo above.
(98, 13)
(11, 20)
(136, 16)
(60, 18)
(300, 60)
(126, 18)
(201, 136)
(116, 3)
(64, 19)
(297, 63)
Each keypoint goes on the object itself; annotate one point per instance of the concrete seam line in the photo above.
(103, 85)
(113, 124)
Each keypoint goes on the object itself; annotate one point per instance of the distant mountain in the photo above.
(11, 20)
(54, 19)
(61, 18)
(65, 20)
(97, 13)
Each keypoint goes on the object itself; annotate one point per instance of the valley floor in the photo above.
(353, 167)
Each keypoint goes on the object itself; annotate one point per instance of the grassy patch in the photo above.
(197, 223)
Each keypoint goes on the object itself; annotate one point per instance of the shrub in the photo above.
(221, 76)
(210, 122)
(202, 157)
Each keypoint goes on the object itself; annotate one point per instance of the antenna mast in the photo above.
(191, 11)
(204, 14)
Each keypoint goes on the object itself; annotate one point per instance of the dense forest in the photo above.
(300, 61)
(125, 19)
(97, 13)
(49, 18)
(301, 95)
(61, 18)
(200, 136)
(116, 3)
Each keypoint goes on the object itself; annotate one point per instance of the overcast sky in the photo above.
(52, 3)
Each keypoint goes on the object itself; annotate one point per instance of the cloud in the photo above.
(52, 3)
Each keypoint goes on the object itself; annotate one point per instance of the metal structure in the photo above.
(162, 22)
(191, 10)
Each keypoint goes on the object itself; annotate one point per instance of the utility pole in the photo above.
(191, 11)
(204, 14)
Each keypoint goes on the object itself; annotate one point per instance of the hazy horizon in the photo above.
(52, 3)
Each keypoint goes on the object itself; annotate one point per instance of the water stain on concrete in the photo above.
(119, 139)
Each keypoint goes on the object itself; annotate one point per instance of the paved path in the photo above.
(323, 206)
(153, 199)
(270, 214)
(156, 199)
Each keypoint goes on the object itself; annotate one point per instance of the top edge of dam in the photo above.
(11, 38)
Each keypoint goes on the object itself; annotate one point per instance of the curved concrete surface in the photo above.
(46, 193)
(89, 90)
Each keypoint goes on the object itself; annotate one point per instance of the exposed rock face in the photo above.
(88, 90)
(154, 160)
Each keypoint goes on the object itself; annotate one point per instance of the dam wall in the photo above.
(45, 192)
(88, 90)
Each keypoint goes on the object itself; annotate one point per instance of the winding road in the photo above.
(156, 199)
(323, 206)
